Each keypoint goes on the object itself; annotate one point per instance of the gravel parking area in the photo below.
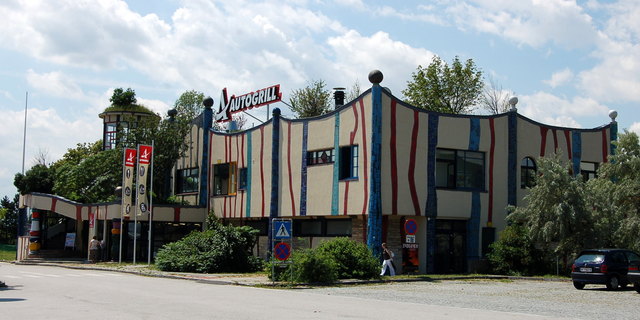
(546, 298)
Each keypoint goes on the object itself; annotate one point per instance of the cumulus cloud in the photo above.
(55, 83)
(635, 127)
(560, 78)
(532, 22)
(547, 108)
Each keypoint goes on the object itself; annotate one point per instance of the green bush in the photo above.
(339, 258)
(354, 259)
(219, 249)
(312, 266)
(515, 254)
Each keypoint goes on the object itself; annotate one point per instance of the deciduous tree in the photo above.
(443, 88)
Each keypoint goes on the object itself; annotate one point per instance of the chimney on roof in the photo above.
(338, 96)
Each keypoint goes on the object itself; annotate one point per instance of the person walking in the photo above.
(94, 246)
(387, 263)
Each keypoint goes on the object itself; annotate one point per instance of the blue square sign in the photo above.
(282, 229)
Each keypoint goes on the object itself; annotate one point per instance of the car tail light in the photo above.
(573, 267)
(633, 268)
(603, 268)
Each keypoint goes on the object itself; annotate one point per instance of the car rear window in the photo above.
(590, 258)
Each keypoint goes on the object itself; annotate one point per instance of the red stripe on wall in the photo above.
(262, 167)
(394, 161)
(366, 159)
(555, 140)
(491, 163)
(242, 192)
(176, 214)
(543, 143)
(235, 199)
(352, 138)
(412, 163)
(54, 201)
(605, 145)
(567, 138)
(293, 202)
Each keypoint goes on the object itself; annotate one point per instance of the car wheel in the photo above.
(612, 284)
(637, 287)
(578, 285)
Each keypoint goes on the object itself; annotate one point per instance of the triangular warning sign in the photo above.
(282, 232)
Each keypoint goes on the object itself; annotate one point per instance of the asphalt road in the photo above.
(44, 292)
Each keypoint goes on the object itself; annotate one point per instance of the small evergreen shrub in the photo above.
(219, 249)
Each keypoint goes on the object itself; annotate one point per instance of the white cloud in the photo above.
(635, 127)
(356, 55)
(533, 22)
(560, 78)
(56, 84)
(46, 130)
(547, 108)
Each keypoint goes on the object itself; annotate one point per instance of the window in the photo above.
(188, 180)
(321, 227)
(261, 225)
(242, 179)
(224, 179)
(588, 170)
(338, 227)
(459, 169)
(320, 157)
(527, 173)
(348, 162)
(110, 135)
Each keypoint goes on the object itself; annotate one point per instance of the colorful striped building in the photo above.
(375, 164)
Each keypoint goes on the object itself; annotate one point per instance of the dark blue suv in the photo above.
(603, 266)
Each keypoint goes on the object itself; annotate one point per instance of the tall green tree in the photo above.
(615, 195)
(312, 100)
(123, 98)
(37, 179)
(443, 88)
(9, 219)
(557, 213)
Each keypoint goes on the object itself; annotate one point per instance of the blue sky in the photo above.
(569, 62)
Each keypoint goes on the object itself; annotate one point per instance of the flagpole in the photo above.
(122, 204)
(24, 140)
(150, 203)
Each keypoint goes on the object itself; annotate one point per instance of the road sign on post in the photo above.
(282, 229)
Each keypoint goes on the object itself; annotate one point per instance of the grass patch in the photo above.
(7, 252)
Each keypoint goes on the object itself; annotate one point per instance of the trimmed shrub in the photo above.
(339, 258)
(515, 253)
(219, 249)
(354, 259)
(312, 266)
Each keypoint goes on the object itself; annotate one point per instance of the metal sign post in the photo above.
(282, 234)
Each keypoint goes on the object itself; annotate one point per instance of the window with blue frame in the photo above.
(348, 162)
(460, 169)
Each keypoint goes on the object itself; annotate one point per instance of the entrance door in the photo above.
(451, 246)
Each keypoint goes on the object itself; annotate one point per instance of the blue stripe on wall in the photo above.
(207, 123)
(473, 227)
(303, 174)
(474, 134)
(249, 176)
(512, 166)
(576, 151)
(432, 205)
(336, 165)
(374, 227)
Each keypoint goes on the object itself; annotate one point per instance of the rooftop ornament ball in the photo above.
(375, 76)
(207, 102)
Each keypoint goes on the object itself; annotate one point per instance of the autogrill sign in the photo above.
(247, 101)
